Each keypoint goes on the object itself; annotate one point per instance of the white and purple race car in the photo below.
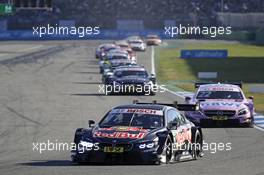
(221, 105)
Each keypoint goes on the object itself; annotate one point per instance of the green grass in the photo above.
(245, 63)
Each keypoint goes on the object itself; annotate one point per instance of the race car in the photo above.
(140, 133)
(153, 40)
(127, 51)
(109, 57)
(108, 70)
(221, 105)
(130, 80)
(137, 44)
(123, 44)
(101, 50)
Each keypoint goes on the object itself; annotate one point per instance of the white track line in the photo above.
(183, 97)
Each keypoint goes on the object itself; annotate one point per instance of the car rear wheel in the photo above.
(197, 145)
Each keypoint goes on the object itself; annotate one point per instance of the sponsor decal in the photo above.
(219, 89)
(223, 104)
(139, 111)
(124, 128)
(119, 135)
(182, 136)
(204, 53)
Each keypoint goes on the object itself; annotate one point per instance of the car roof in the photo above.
(107, 45)
(142, 106)
(111, 54)
(152, 36)
(118, 50)
(131, 68)
(121, 61)
(135, 40)
(219, 87)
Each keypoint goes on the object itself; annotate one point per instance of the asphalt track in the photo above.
(50, 95)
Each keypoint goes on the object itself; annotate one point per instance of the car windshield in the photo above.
(137, 73)
(135, 42)
(146, 121)
(219, 95)
(117, 57)
(152, 37)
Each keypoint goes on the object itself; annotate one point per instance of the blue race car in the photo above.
(145, 133)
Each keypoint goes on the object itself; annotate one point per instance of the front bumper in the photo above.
(127, 157)
(231, 122)
(219, 121)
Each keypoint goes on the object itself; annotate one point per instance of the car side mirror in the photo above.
(162, 134)
(152, 78)
(251, 98)
(91, 123)
(187, 99)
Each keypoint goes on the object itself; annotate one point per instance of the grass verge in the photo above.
(245, 63)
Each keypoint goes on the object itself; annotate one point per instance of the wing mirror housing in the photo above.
(162, 134)
(251, 98)
(152, 78)
(187, 99)
(91, 123)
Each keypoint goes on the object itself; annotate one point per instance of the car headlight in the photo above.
(243, 111)
(149, 145)
(86, 144)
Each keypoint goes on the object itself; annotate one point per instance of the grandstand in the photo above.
(105, 13)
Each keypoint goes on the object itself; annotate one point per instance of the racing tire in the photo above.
(197, 141)
(152, 93)
(101, 70)
(167, 152)
(78, 135)
(77, 139)
(251, 123)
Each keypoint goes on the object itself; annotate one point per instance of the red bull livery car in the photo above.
(145, 133)
(221, 105)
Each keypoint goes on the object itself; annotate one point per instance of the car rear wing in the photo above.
(198, 84)
(180, 107)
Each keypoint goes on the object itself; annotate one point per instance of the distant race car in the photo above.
(141, 133)
(153, 40)
(103, 49)
(109, 68)
(130, 80)
(127, 51)
(221, 105)
(106, 62)
(137, 44)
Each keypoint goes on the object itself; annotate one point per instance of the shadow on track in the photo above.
(48, 163)
(54, 163)
(87, 82)
(87, 72)
(88, 94)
